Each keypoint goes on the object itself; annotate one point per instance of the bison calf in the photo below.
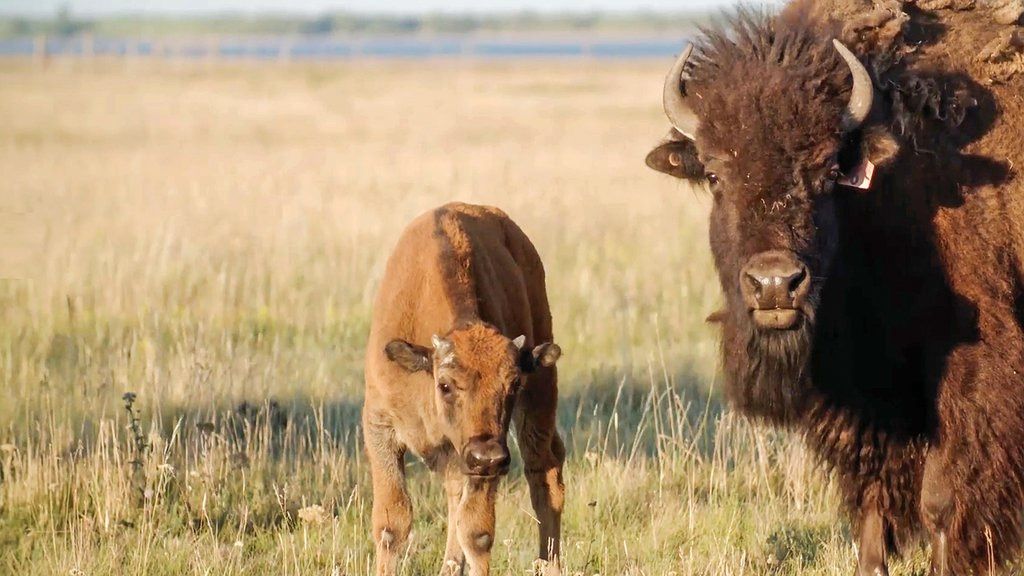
(459, 348)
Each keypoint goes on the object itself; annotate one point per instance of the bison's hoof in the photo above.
(876, 570)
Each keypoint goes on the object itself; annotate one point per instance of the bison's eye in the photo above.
(445, 388)
(712, 178)
(834, 173)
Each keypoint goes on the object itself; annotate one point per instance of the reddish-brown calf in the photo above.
(460, 347)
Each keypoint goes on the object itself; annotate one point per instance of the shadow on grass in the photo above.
(621, 414)
(259, 459)
(609, 413)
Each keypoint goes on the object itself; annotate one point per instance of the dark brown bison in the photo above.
(867, 228)
(451, 362)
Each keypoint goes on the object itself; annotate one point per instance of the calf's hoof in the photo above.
(451, 568)
(545, 568)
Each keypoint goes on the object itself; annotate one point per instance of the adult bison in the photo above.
(867, 229)
(451, 363)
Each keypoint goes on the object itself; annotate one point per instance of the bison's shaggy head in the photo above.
(477, 375)
(772, 118)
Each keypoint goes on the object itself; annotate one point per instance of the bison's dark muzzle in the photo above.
(774, 285)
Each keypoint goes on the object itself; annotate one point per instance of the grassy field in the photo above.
(209, 238)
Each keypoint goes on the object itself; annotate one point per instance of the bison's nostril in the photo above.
(755, 285)
(796, 282)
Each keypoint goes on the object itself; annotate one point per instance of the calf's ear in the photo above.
(676, 156)
(545, 355)
(411, 357)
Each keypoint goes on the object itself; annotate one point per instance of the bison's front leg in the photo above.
(937, 509)
(872, 541)
(543, 455)
(392, 511)
(475, 525)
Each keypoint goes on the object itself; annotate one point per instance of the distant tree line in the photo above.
(64, 23)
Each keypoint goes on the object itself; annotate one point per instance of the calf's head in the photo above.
(478, 373)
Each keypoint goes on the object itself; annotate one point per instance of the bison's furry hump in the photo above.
(973, 35)
(950, 75)
(980, 37)
(460, 263)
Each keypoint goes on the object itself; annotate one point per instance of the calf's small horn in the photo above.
(677, 108)
(863, 94)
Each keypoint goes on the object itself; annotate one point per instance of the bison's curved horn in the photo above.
(863, 94)
(676, 107)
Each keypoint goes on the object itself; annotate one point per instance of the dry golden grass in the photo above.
(207, 235)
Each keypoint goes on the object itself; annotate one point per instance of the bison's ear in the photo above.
(877, 149)
(879, 146)
(544, 355)
(411, 357)
(717, 317)
(677, 156)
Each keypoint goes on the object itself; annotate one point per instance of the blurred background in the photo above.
(320, 29)
(197, 200)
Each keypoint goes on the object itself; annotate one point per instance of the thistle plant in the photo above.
(139, 447)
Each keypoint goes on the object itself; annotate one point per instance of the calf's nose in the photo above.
(774, 280)
(486, 457)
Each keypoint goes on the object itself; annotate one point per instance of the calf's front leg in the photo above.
(543, 456)
(392, 511)
(475, 524)
(454, 559)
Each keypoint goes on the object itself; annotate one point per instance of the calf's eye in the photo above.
(445, 388)
(712, 178)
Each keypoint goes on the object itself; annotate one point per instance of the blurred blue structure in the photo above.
(327, 48)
